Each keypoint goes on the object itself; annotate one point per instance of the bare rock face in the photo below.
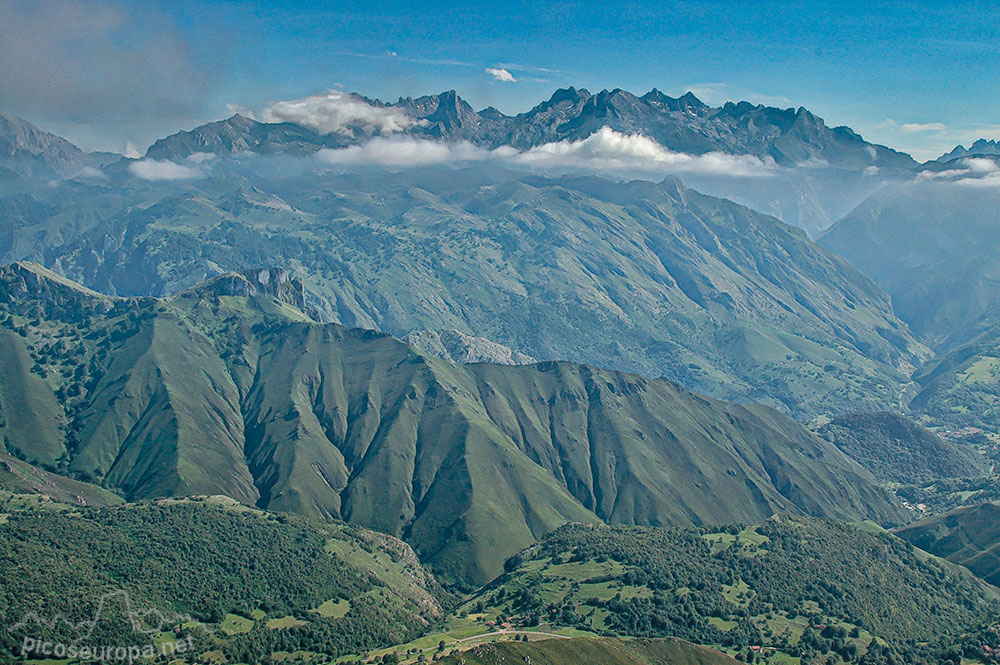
(275, 282)
(458, 347)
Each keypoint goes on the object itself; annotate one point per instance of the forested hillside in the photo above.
(241, 583)
(794, 586)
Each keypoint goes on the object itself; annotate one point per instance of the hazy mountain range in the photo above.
(810, 174)
(976, 148)
(837, 168)
(684, 125)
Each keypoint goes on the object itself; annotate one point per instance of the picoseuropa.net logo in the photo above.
(145, 633)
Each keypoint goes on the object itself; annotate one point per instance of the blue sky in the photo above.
(917, 76)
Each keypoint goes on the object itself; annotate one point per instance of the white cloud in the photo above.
(155, 169)
(979, 165)
(337, 112)
(501, 74)
(90, 172)
(405, 152)
(605, 151)
(942, 175)
(608, 150)
(991, 180)
(977, 172)
(201, 157)
(132, 150)
(924, 127)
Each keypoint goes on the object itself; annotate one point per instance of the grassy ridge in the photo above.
(591, 650)
(230, 388)
(961, 388)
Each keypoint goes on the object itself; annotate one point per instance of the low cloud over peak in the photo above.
(605, 151)
(195, 166)
(968, 172)
(337, 112)
(405, 152)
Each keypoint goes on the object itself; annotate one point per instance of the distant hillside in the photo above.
(240, 582)
(960, 388)
(932, 245)
(799, 587)
(29, 151)
(22, 478)
(230, 388)
(899, 450)
(605, 651)
(967, 536)
(649, 278)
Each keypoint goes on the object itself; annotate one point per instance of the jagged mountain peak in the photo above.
(683, 124)
(978, 147)
(25, 136)
(34, 152)
(570, 95)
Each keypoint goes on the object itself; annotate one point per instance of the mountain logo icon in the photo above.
(143, 620)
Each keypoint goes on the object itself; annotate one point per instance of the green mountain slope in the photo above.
(961, 388)
(650, 278)
(898, 450)
(967, 536)
(800, 587)
(605, 651)
(21, 478)
(230, 388)
(241, 583)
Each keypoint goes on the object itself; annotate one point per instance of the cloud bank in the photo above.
(405, 152)
(605, 151)
(159, 170)
(924, 127)
(338, 112)
(608, 150)
(971, 172)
